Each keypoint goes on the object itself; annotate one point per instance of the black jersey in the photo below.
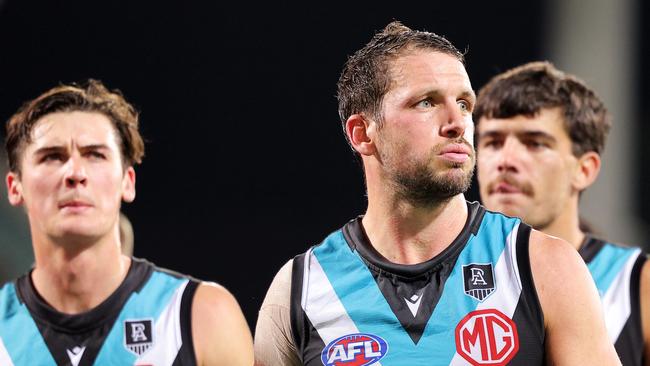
(146, 321)
(617, 272)
(473, 304)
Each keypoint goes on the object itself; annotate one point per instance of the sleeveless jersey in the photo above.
(473, 304)
(617, 272)
(146, 321)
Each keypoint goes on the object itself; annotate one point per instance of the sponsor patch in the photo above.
(478, 280)
(487, 337)
(138, 335)
(359, 349)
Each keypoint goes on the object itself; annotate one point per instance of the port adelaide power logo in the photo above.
(358, 349)
(478, 280)
(138, 335)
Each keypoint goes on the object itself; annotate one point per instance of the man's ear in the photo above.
(361, 133)
(586, 171)
(128, 185)
(14, 189)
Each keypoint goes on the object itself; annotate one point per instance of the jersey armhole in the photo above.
(186, 354)
(528, 289)
(297, 314)
(635, 293)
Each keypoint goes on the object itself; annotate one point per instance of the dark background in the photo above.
(246, 165)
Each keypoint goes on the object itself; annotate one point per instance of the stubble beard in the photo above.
(421, 185)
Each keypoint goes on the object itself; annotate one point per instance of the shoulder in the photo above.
(573, 316)
(551, 254)
(212, 300)
(644, 299)
(219, 329)
(558, 272)
(274, 341)
(279, 293)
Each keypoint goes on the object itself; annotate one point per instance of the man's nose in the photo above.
(456, 121)
(76, 172)
(509, 156)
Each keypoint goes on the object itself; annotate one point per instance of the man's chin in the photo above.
(510, 206)
(74, 236)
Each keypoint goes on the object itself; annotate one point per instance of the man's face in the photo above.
(72, 180)
(426, 141)
(526, 167)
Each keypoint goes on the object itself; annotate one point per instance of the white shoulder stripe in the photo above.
(322, 306)
(5, 360)
(508, 285)
(616, 301)
(167, 333)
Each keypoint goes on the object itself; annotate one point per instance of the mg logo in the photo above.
(487, 337)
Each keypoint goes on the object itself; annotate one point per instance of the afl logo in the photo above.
(359, 349)
(487, 337)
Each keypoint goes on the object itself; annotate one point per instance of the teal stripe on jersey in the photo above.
(146, 304)
(486, 247)
(358, 291)
(607, 264)
(19, 332)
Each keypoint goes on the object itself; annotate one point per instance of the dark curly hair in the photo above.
(527, 89)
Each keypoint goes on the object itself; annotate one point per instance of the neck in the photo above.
(567, 225)
(75, 280)
(406, 234)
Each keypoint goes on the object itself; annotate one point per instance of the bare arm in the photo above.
(220, 332)
(274, 344)
(573, 316)
(645, 310)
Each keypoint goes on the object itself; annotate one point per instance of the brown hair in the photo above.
(91, 96)
(527, 89)
(365, 78)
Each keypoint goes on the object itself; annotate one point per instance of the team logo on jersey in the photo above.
(359, 349)
(478, 280)
(138, 335)
(487, 337)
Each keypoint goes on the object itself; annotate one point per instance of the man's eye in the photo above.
(52, 157)
(425, 103)
(535, 144)
(464, 105)
(96, 154)
(491, 143)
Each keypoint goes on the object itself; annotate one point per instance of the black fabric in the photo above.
(63, 332)
(531, 338)
(299, 326)
(186, 355)
(313, 346)
(308, 343)
(398, 281)
(629, 344)
(423, 281)
(590, 247)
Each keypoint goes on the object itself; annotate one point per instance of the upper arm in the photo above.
(274, 344)
(219, 330)
(573, 315)
(645, 310)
